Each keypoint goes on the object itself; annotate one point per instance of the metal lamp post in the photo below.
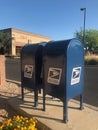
(84, 9)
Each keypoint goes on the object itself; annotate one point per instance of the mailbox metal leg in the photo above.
(35, 98)
(40, 91)
(65, 111)
(22, 92)
(44, 107)
(81, 102)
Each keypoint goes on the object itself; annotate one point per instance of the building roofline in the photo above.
(26, 32)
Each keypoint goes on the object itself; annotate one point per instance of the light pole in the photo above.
(84, 9)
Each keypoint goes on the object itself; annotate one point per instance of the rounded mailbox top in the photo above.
(31, 48)
(61, 47)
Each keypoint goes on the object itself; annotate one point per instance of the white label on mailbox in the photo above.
(28, 71)
(75, 78)
(54, 75)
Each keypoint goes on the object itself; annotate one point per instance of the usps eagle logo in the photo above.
(76, 73)
(54, 75)
(28, 71)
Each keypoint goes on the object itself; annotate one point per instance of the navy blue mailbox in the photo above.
(63, 66)
(31, 68)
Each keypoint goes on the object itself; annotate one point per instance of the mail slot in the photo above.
(63, 71)
(31, 68)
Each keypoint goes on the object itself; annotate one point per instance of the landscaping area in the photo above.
(9, 120)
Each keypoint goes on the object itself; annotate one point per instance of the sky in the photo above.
(57, 19)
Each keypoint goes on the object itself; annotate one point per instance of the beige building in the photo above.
(20, 38)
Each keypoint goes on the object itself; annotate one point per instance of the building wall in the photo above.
(2, 70)
(20, 38)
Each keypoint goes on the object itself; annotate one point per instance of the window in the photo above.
(18, 50)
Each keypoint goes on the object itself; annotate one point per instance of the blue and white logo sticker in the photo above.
(28, 71)
(54, 75)
(76, 73)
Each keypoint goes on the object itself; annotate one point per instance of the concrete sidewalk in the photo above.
(51, 119)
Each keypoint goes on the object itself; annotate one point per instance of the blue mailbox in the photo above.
(63, 71)
(31, 68)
